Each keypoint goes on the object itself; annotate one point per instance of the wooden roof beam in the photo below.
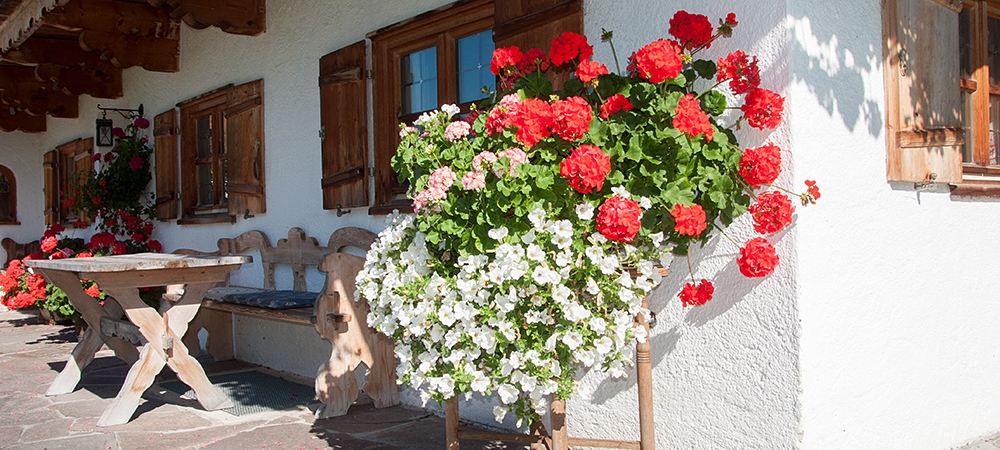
(13, 120)
(25, 93)
(246, 17)
(68, 67)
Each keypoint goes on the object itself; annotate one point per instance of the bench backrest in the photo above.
(15, 250)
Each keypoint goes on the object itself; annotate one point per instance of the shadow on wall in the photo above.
(836, 51)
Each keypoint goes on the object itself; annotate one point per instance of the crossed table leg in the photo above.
(162, 333)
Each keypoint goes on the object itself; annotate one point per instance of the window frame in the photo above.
(5, 172)
(213, 104)
(440, 28)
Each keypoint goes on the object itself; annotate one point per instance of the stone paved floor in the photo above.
(31, 354)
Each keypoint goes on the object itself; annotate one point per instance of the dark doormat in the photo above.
(254, 392)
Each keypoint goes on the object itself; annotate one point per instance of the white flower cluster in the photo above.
(517, 320)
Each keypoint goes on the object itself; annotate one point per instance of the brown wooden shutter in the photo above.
(925, 134)
(534, 23)
(243, 122)
(165, 147)
(51, 174)
(75, 164)
(343, 103)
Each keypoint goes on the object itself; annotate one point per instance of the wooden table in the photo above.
(120, 277)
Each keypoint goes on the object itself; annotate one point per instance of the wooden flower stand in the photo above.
(559, 438)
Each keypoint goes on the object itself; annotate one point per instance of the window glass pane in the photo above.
(994, 128)
(967, 125)
(204, 133)
(965, 43)
(419, 80)
(474, 55)
(205, 194)
(993, 56)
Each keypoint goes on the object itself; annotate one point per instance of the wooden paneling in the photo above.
(165, 148)
(534, 23)
(344, 121)
(243, 122)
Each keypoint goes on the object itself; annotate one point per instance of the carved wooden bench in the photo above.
(343, 322)
(16, 250)
(296, 251)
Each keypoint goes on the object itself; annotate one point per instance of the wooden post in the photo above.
(451, 423)
(644, 371)
(560, 436)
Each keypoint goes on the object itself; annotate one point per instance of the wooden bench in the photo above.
(15, 250)
(297, 251)
(343, 322)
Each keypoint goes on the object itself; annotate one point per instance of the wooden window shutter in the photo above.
(534, 23)
(923, 97)
(75, 164)
(165, 147)
(243, 125)
(51, 174)
(344, 121)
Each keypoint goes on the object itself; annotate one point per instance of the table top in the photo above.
(137, 261)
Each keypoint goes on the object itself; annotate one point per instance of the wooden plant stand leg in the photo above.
(644, 379)
(451, 424)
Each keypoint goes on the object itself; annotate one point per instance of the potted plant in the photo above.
(541, 216)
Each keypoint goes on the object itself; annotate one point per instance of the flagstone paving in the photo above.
(32, 353)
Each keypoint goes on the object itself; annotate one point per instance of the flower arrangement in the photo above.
(23, 289)
(542, 215)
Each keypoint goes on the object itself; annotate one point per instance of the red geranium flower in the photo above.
(155, 245)
(136, 162)
(84, 255)
(692, 30)
(659, 60)
(690, 220)
(49, 243)
(812, 190)
(772, 212)
(691, 119)
(505, 57)
(118, 133)
(696, 295)
(569, 46)
(613, 104)
(761, 165)
(757, 258)
(743, 74)
(586, 168)
(93, 291)
(763, 108)
(588, 71)
(534, 59)
(141, 123)
(618, 218)
(571, 118)
(532, 119)
(79, 224)
(119, 249)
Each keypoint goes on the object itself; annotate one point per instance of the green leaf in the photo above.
(705, 68)
(635, 146)
(714, 102)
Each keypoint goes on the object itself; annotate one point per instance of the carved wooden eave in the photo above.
(52, 51)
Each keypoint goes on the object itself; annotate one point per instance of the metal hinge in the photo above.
(322, 133)
(371, 172)
(370, 74)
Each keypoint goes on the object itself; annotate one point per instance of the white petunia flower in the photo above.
(585, 211)
(620, 191)
(561, 294)
(657, 238)
(609, 265)
(499, 412)
(573, 340)
(562, 242)
(562, 228)
(480, 382)
(592, 287)
(537, 218)
(535, 253)
(497, 233)
(529, 237)
(451, 110)
(603, 345)
(575, 312)
(507, 393)
(645, 203)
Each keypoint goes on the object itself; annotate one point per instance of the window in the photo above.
(64, 168)
(221, 156)
(439, 57)
(979, 69)
(8, 197)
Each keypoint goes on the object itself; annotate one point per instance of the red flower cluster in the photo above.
(613, 104)
(588, 71)
(569, 46)
(763, 108)
(696, 295)
(772, 212)
(691, 119)
(505, 57)
(659, 60)
(690, 220)
(692, 30)
(585, 168)
(812, 191)
(742, 72)
(571, 118)
(757, 258)
(532, 119)
(49, 243)
(93, 291)
(618, 219)
(101, 240)
(760, 165)
(20, 289)
(534, 59)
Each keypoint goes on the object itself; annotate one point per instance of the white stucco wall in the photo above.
(897, 307)
(19, 152)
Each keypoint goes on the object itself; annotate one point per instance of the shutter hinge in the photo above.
(370, 74)
(371, 172)
(322, 133)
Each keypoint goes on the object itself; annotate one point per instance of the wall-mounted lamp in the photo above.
(105, 138)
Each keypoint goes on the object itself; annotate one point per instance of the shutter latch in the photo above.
(322, 133)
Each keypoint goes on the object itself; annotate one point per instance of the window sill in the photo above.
(10, 223)
(403, 208)
(207, 219)
(982, 189)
